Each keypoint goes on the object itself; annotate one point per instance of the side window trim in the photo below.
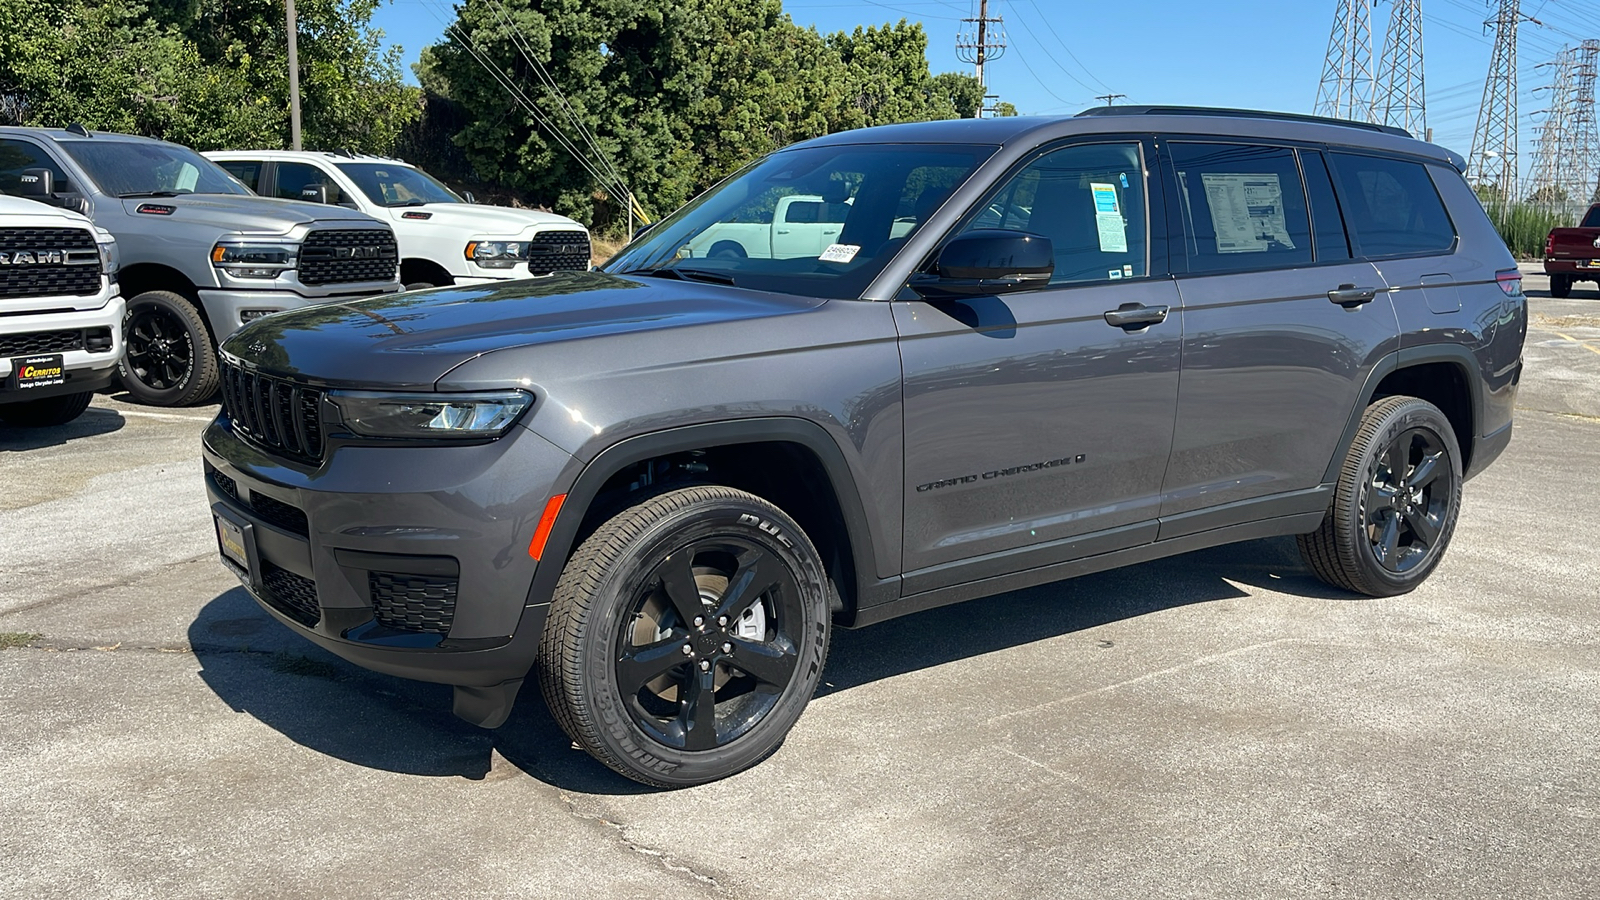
(1156, 252)
(1341, 204)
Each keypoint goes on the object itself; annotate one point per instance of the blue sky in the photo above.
(1263, 54)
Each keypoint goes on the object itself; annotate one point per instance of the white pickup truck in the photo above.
(803, 225)
(444, 239)
(60, 313)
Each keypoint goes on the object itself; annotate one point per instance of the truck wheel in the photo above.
(1560, 286)
(727, 250)
(168, 360)
(686, 636)
(1395, 505)
(47, 412)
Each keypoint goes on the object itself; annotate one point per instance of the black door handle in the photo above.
(1349, 296)
(1134, 316)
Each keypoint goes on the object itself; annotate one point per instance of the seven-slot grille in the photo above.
(274, 412)
(337, 257)
(48, 262)
(558, 251)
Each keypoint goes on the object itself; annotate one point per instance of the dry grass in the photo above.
(602, 249)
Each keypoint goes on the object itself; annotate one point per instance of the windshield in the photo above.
(129, 169)
(389, 184)
(817, 221)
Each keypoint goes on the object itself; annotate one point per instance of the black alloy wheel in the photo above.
(686, 636)
(1395, 504)
(167, 356)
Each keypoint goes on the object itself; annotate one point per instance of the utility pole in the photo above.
(294, 74)
(981, 39)
(1346, 88)
(1111, 98)
(1493, 161)
(1401, 95)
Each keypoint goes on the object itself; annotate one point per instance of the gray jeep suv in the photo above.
(1028, 349)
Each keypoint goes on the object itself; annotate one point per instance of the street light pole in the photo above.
(294, 75)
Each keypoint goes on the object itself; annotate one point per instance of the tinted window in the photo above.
(148, 169)
(296, 177)
(1089, 200)
(1243, 207)
(247, 172)
(1326, 222)
(1392, 206)
(388, 184)
(16, 156)
(811, 212)
(1591, 219)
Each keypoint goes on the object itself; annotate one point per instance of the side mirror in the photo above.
(989, 261)
(314, 193)
(38, 184)
(469, 196)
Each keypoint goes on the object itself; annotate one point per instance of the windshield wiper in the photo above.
(406, 203)
(685, 274)
(133, 194)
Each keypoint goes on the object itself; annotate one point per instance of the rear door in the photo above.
(1281, 326)
(1398, 221)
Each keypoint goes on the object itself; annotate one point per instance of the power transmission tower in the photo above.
(982, 39)
(1346, 88)
(1493, 162)
(1553, 135)
(1401, 96)
(1580, 155)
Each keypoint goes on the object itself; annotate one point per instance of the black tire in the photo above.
(1561, 286)
(727, 250)
(420, 286)
(644, 594)
(168, 358)
(1395, 506)
(46, 413)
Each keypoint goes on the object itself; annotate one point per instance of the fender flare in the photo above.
(1406, 358)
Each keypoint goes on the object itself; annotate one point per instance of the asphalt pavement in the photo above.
(1214, 725)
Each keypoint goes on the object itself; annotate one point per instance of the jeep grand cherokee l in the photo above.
(1036, 348)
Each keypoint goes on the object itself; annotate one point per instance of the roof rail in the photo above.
(1239, 114)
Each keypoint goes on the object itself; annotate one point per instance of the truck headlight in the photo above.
(478, 415)
(255, 260)
(109, 260)
(497, 254)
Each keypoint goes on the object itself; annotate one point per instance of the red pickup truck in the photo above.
(1573, 254)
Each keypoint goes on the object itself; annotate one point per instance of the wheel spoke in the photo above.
(1380, 496)
(641, 665)
(1398, 456)
(1424, 526)
(757, 573)
(1389, 538)
(677, 581)
(1426, 471)
(699, 716)
(772, 663)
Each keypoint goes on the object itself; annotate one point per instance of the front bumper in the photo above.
(411, 561)
(86, 370)
(226, 307)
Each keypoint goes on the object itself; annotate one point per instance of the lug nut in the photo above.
(688, 650)
(727, 648)
(705, 665)
(699, 620)
(722, 621)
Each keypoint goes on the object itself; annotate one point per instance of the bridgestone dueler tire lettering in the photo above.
(1339, 552)
(47, 412)
(597, 588)
(203, 375)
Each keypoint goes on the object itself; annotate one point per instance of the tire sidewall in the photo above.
(190, 389)
(613, 720)
(1414, 414)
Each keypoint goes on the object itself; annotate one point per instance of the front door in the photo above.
(1035, 429)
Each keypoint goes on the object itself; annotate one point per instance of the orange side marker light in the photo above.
(552, 508)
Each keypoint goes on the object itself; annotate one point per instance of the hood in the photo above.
(411, 340)
(486, 220)
(19, 206)
(245, 213)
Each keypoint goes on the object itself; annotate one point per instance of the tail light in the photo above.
(1550, 244)
(1510, 281)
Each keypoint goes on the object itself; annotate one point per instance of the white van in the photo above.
(444, 238)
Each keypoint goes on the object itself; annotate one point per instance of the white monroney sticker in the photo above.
(840, 253)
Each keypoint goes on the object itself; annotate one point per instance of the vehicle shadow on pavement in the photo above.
(333, 707)
(92, 423)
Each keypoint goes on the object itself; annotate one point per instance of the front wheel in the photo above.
(686, 636)
(1395, 504)
(1561, 286)
(167, 359)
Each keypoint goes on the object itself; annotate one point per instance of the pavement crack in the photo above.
(619, 830)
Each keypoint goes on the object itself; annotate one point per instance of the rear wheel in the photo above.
(686, 636)
(168, 358)
(47, 412)
(1560, 286)
(1395, 506)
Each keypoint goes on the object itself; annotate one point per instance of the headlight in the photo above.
(497, 254)
(255, 260)
(109, 261)
(478, 415)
